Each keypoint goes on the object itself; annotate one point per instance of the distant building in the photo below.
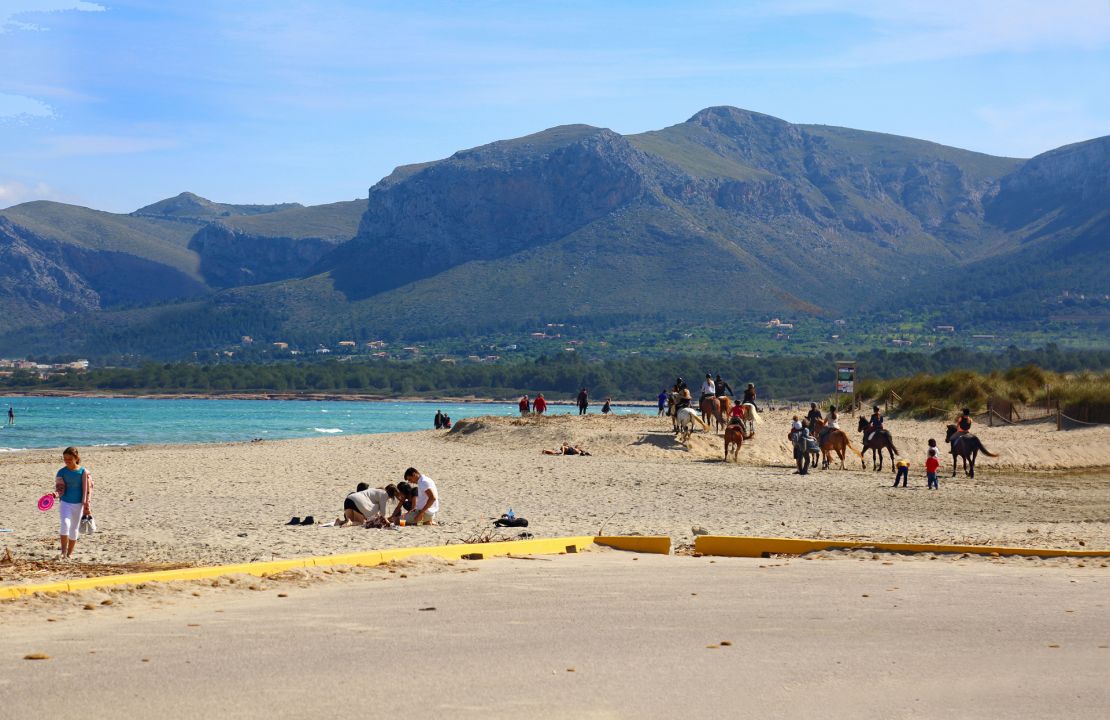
(280, 345)
(376, 344)
(247, 340)
(944, 328)
(322, 351)
(350, 344)
(539, 335)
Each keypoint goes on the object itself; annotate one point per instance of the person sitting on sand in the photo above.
(427, 498)
(406, 500)
(366, 505)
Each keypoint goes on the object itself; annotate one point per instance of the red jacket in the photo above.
(932, 464)
(540, 405)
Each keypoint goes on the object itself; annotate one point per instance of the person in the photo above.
(446, 421)
(583, 401)
(683, 400)
(566, 449)
(736, 415)
(749, 396)
(11, 415)
(679, 384)
(607, 407)
(406, 500)
(366, 504)
(708, 388)
(874, 425)
(722, 387)
(540, 405)
(439, 419)
(813, 414)
(662, 402)
(833, 420)
(963, 426)
(903, 467)
(932, 464)
(72, 486)
(426, 504)
(525, 406)
(801, 447)
(795, 427)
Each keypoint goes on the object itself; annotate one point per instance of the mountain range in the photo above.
(729, 215)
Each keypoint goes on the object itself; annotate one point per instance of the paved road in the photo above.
(820, 638)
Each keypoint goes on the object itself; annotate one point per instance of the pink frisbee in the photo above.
(46, 502)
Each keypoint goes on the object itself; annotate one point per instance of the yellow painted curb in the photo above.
(658, 544)
(727, 546)
(543, 546)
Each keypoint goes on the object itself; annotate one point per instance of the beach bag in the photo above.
(88, 525)
(506, 521)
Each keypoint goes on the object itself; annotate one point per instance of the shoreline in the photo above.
(301, 396)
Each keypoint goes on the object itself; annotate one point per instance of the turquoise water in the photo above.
(49, 422)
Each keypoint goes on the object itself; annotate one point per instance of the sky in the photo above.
(115, 105)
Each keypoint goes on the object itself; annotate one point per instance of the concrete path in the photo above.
(598, 635)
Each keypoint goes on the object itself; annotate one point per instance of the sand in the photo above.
(222, 503)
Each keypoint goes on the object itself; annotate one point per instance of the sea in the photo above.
(56, 422)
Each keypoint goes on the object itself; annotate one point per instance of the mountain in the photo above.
(730, 215)
(58, 259)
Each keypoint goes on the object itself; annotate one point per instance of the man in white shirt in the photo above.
(708, 388)
(427, 498)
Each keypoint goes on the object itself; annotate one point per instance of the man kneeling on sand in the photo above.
(426, 503)
(367, 506)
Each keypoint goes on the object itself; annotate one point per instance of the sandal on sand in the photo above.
(309, 520)
(295, 521)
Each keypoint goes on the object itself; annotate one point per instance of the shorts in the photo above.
(410, 518)
(349, 504)
(71, 519)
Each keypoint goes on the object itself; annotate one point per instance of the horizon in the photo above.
(116, 105)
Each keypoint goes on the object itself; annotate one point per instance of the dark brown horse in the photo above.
(879, 441)
(836, 440)
(967, 447)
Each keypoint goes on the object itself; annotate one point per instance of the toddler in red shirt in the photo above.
(931, 465)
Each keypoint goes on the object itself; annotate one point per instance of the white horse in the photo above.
(685, 419)
(751, 418)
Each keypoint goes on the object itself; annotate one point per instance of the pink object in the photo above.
(46, 502)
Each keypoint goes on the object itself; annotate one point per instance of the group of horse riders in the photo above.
(710, 388)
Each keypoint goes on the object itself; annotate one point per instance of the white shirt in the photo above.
(422, 486)
(708, 388)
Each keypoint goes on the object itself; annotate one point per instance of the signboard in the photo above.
(846, 376)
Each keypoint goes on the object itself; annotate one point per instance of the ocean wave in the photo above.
(6, 449)
(328, 430)
(112, 444)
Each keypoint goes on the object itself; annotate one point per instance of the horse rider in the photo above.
(679, 385)
(749, 396)
(963, 426)
(682, 400)
(722, 386)
(708, 389)
(874, 425)
(832, 422)
(813, 414)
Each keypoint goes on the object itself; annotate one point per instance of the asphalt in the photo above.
(598, 635)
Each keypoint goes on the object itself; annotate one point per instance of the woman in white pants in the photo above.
(72, 486)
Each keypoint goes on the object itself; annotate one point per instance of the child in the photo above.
(903, 473)
(931, 465)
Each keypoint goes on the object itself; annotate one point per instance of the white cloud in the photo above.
(10, 9)
(23, 107)
(75, 145)
(14, 193)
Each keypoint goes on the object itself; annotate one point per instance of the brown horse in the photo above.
(881, 440)
(836, 440)
(734, 437)
(967, 447)
(711, 407)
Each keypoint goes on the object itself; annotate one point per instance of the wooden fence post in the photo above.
(1058, 423)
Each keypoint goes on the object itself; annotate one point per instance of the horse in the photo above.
(879, 442)
(710, 406)
(734, 437)
(748, 418)
(835, 440)
(967, 447)
(685, 419)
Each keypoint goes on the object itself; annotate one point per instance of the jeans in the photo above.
(932, 478)
(903, 475)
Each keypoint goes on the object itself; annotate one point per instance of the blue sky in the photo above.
(118, 104)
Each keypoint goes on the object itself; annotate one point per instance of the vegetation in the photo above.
(561, 376)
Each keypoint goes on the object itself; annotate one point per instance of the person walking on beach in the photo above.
(72, 485)
(439, 419)
(583, 401)
(427, 498)
(801, 448)
(11, 415)
(607, 407)
(540, 405)
(663, 402)
(525, 406)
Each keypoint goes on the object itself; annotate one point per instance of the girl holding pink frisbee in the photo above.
(72, 486)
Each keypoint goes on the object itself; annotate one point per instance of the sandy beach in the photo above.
(221, 503)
